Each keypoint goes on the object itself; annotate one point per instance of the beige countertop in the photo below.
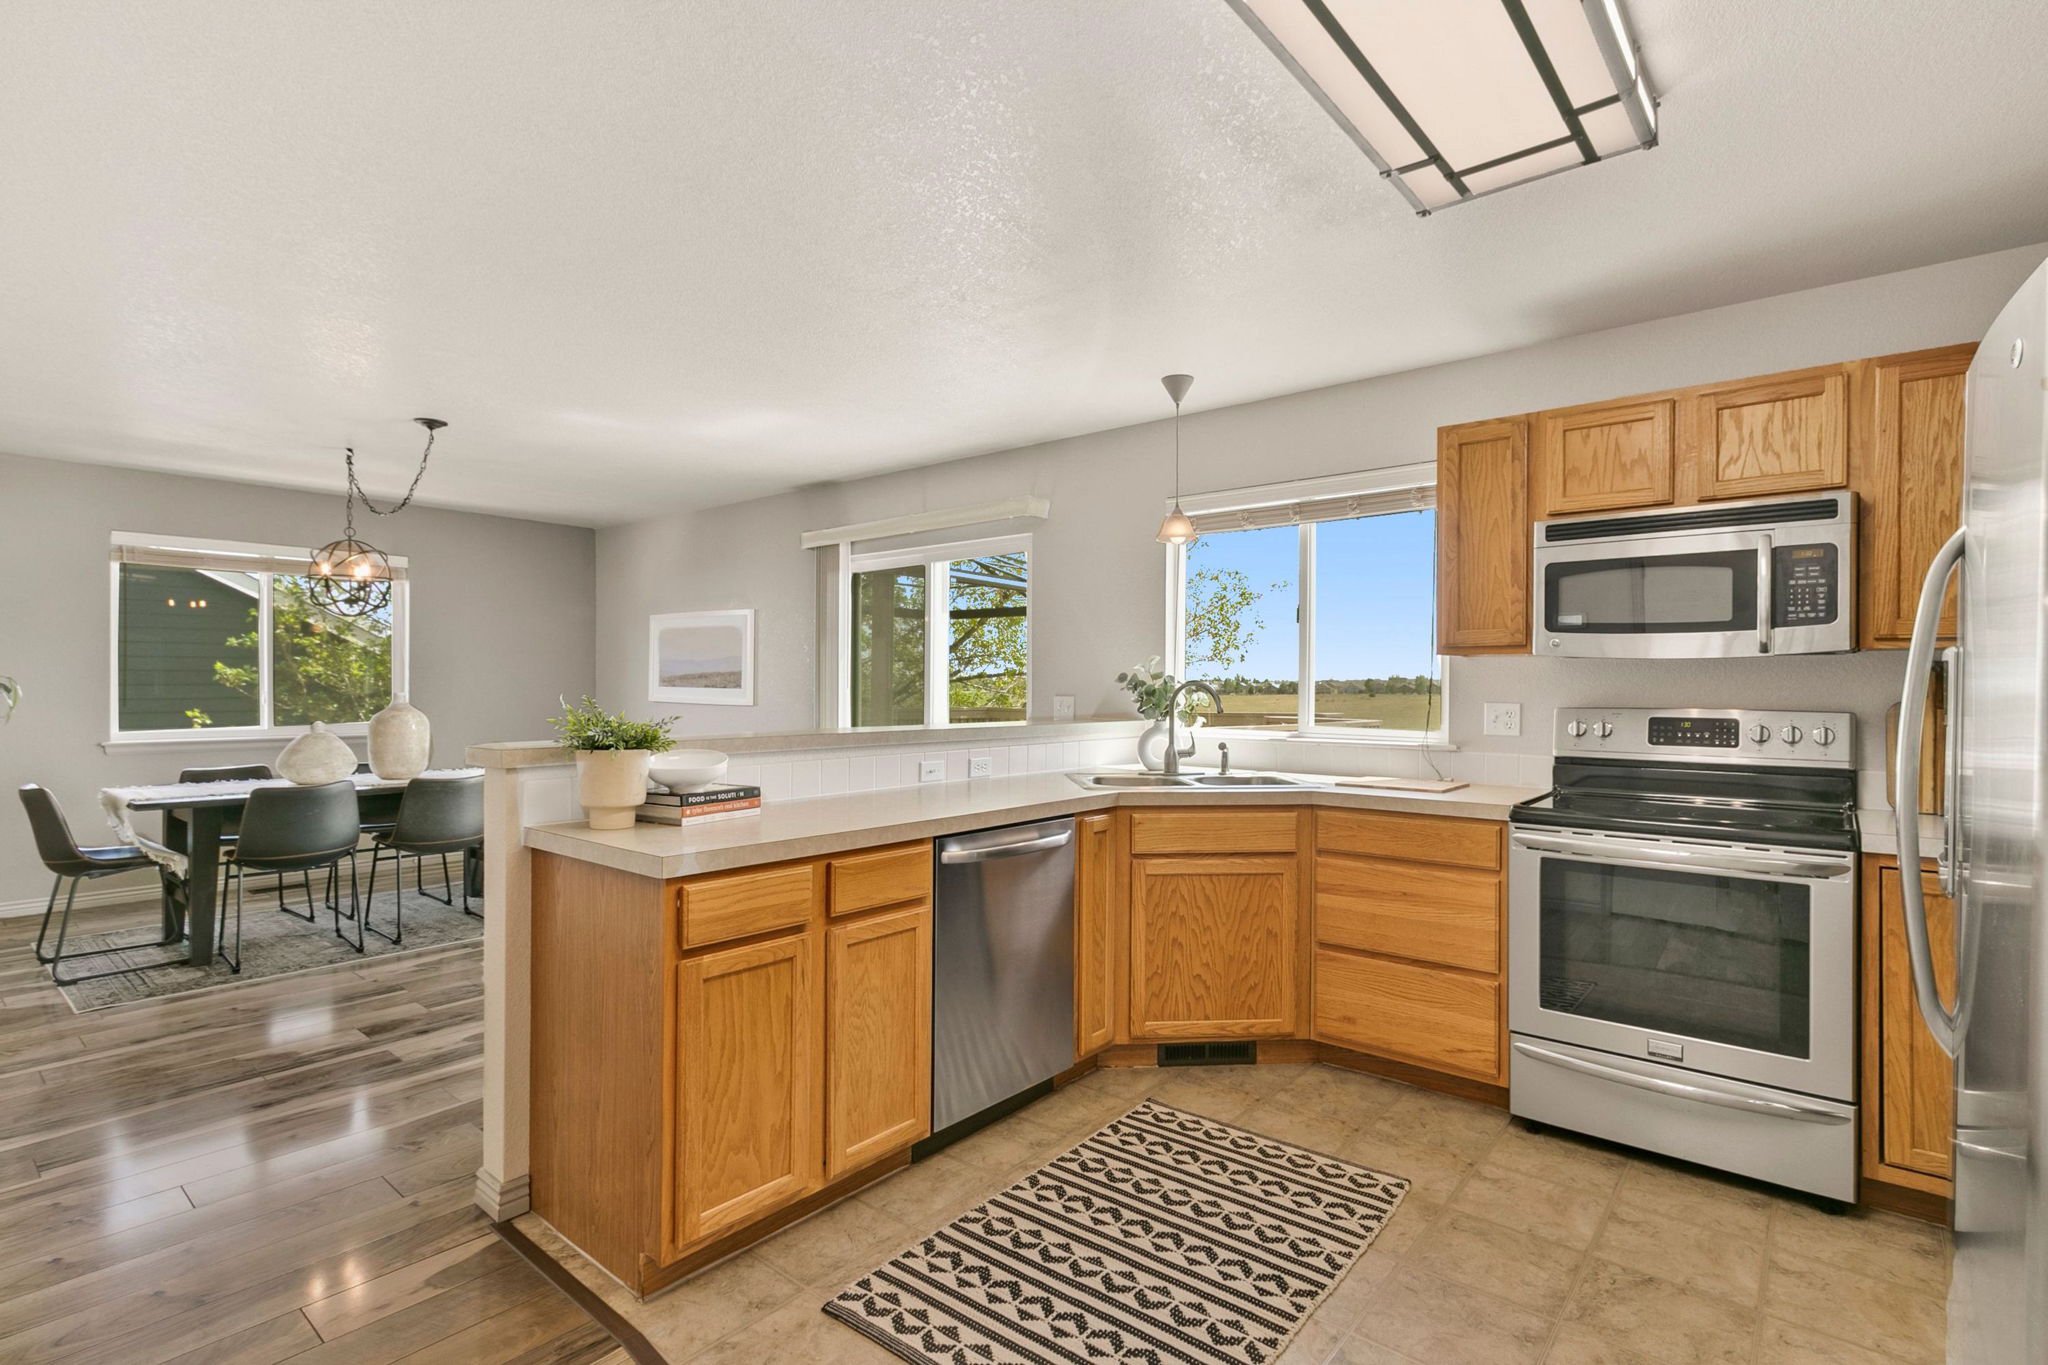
(834, 824)
(1879, 834)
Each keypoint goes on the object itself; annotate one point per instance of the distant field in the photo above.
(1397, 712)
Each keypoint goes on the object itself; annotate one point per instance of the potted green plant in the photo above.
(612, 757)
(1152, 692)
(10, 695)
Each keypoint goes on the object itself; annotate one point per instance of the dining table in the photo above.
(195, 816)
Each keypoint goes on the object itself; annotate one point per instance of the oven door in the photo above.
(1732, 961)
(1655, 597)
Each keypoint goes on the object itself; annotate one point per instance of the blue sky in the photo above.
(1375, 585)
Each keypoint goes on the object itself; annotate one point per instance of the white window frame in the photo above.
(937, 561)
(1369, 482)
(229, 550)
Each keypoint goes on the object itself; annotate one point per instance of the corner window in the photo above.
(226, 639)
(1314, 622)
(940, 636)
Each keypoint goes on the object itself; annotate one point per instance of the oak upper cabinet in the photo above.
(1215, 915)
(878, 1030)
(1909, 1104)
(1909, 458)
(1482, 537)
(1095, 904)
(1605, 456)
(745, 1085)
(1780, 434)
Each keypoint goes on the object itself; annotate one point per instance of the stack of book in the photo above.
(708, 803)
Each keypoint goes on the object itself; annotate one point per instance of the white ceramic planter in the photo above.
(612, 785)
(316, 758)
(400, 740)
(1152, 743)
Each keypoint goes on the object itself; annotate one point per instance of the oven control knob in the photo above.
(1760, 733)
(1824, 735)
(1577, 729)
(1604, 729)
(1790, 734)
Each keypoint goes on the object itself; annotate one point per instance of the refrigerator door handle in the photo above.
(1945, 1025)
(1951, 771)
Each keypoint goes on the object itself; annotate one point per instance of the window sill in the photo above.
(357, 730)
(1400, 739)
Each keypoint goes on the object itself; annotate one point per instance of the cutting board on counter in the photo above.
(1403, 784)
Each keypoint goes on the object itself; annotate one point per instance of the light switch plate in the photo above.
(981, 765)
(1062, 708)
(1503, 718)
(931, 770)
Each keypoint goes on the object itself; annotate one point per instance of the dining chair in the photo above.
(295, 829)
(437, 816)
(231, 821)
(61, 854)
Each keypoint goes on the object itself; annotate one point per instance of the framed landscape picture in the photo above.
(701, 656)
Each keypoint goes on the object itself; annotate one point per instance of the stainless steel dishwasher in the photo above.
(1002, 970)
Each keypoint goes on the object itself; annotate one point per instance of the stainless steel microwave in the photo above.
(1717, 581)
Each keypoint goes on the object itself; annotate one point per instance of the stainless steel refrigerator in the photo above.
(1991, 851)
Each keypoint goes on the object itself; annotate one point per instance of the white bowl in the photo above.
(684, 770)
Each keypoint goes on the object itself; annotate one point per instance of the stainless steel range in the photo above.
(1682, 947)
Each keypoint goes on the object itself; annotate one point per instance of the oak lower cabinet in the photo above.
(1908, 1081)
(746, 1081)
(1097, 873)
(1410, 912)
(878, 1026)
(1215, 935)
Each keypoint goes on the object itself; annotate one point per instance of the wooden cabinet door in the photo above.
(1607, 456)
(878, 1037)
(1095, 882)
(1911, 482)
(746, 1087)
(1785, 434)
(1213, 944)
(1482, 537)
(1916, 1109)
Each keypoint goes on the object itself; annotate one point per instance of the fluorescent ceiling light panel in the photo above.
(1454, 99)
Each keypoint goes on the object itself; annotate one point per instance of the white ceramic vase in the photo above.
(400, 740)
(612, 785)
(1152, 744)
(315, 758)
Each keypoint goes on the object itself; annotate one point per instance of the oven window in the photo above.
(1652, 594)
(1682, 954)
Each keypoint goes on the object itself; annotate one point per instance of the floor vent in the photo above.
(1208, 1054)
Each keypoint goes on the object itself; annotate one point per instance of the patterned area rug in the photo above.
(273, 944)
(1165, 1237)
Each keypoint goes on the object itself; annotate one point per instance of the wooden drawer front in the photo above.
(1426, 1015)
(1431, 914)
(736, 904)
(1213, 831)
(888, 876)
(1410, 838)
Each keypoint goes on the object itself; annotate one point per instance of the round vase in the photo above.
(1152, 744)
(400, 739)
(612, 785)
(315, 758)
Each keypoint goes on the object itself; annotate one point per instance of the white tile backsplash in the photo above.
(834, 776)
(860, 773)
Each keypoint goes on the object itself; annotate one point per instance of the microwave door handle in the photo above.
(1763, 594)
(1943, 1024)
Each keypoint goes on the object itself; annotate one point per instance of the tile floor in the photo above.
(1512, 1246)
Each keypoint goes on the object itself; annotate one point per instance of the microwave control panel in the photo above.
(1806, 583)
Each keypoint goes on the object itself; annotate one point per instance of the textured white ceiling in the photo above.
(646, 255)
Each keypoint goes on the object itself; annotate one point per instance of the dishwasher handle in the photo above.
(1005, 843)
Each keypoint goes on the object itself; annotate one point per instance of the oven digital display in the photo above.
(1696, 732)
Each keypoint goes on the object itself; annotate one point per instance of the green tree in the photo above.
(1222, 615)
(988, 648)
(323, 667)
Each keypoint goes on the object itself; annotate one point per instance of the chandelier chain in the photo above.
(356, 490)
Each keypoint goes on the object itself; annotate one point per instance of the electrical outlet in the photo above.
(981, 765)
(1503, 718)
(1062, 708)
(931, 770)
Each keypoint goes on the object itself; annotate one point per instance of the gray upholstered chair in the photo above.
(61, 854)
(437, 816)
(295, 829)
(231, 822)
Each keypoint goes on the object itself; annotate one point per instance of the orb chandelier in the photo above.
(350, 576)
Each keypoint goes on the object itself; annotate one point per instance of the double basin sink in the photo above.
(1183, 781)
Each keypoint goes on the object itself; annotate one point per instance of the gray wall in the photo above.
(501, 624)
(1100, 578)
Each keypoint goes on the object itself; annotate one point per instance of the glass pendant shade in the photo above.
(1177, 529)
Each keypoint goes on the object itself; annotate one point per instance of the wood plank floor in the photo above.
(277, 1171)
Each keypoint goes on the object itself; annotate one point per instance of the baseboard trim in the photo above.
(503, 1201)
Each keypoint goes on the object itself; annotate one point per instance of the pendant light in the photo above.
(351, 577)
(1178, 528)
